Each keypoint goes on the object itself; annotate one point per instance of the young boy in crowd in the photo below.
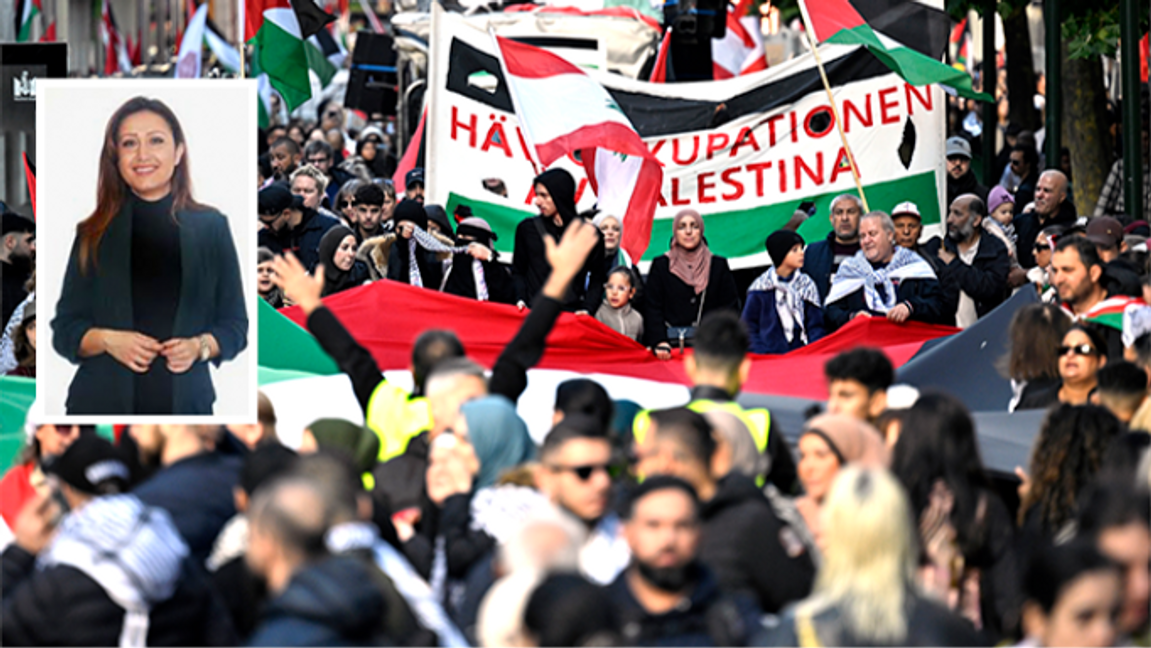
(783, 311)
(616, 310)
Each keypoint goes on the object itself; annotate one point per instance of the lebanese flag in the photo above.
(116, 57)
(626, 186)
(561, 110)
(740, 51)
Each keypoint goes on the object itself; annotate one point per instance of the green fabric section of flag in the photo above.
(284, 58)
(319, 64)
(16, 396)
(1114, 320)
(29, 11)
(287, 347)
(728, 232)
(915, 68)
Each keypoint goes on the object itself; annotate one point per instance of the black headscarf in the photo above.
(562, 187)
(335, 279)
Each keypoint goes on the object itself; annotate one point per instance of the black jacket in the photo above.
(671, 302)
(1121, 277)
(330, 603)
(399, 263)
(819, 263)
(211, 301)
(63, 606)
(13, 277)
(707, 618)
(966, 184)
(750, 549)
(303, 240)
(1025, 192)
(925, 296)
(985, 280)
(530, 267)
(460, 280)
(1028, 226)
(928, 624)
(197, 493)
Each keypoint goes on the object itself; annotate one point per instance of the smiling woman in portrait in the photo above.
(152, 291)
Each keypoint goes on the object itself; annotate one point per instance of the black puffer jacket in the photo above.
(62, 606)
(331, 603)
(750, 549)
(928, 624)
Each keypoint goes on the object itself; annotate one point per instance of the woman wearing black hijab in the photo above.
(555, 199)
(342, 270)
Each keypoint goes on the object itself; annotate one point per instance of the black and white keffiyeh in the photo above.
(790, 296)
(879, 284)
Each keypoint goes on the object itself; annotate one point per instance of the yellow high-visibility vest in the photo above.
(758, 421)
(396, 417)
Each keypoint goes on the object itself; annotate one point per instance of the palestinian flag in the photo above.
(279, 31)
(1108, 312)
(562, 110)
(26, 13)
(413, 156)
(740, 51)
(662, 59)
(837, 22)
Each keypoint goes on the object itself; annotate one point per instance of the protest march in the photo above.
(579, 323)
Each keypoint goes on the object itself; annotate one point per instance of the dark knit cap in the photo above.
(411, 211)
(93, 466)
(779, 244)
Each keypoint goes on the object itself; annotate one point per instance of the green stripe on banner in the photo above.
(736, 234)
(268, 376)
(16, 396)
(284, 345)
(1114, 320)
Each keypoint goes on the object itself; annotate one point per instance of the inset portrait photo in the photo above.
(145, 251)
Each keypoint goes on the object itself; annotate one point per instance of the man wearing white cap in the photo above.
(960, 178)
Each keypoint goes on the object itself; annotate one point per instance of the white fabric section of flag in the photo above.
(189, 60)
(228, 56)
(299, 402)
(552, 107)
(285, 19)
(264, 93)
(111, 36)
(615, 179)
(740, 51)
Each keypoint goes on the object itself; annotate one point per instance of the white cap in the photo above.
(906, 208)
(901, 396)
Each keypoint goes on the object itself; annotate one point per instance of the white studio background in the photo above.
(219, 121)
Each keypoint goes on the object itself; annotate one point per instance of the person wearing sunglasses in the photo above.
(743, 541)
(574, 474)
(1080, 358)
(1040, 275)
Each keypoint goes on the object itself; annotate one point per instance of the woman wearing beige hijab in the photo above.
(828, 443)
(684, 285)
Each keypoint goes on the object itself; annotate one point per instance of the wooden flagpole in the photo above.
(835, 111)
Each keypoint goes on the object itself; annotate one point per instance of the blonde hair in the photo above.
(868, 566)
(313, 173)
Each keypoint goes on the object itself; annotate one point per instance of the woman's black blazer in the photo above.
(211, 301)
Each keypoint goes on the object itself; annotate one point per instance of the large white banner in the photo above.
(744, 152)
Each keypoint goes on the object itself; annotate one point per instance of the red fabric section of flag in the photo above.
(612, 136)
(641, 209)
(254, 14)
(831, 16)
(50, 35)
(580, 343)
(530, 62)
(1144, 47)
(411, 154)
(957, 32)
(30, 174)
(659, 70)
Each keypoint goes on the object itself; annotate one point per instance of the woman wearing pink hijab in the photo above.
(829, 443)
(684, 285)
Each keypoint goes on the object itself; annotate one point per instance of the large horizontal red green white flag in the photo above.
(279, 31)
(837, 22)
(562, 110)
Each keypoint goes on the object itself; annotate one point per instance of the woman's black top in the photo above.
(156, 277)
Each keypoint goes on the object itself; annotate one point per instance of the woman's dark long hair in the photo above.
(938, 443)
(112, 191)
(1036, 332)
(1067, 455)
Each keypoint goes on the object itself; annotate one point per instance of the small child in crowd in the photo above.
(783, 311)
(616, 310)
